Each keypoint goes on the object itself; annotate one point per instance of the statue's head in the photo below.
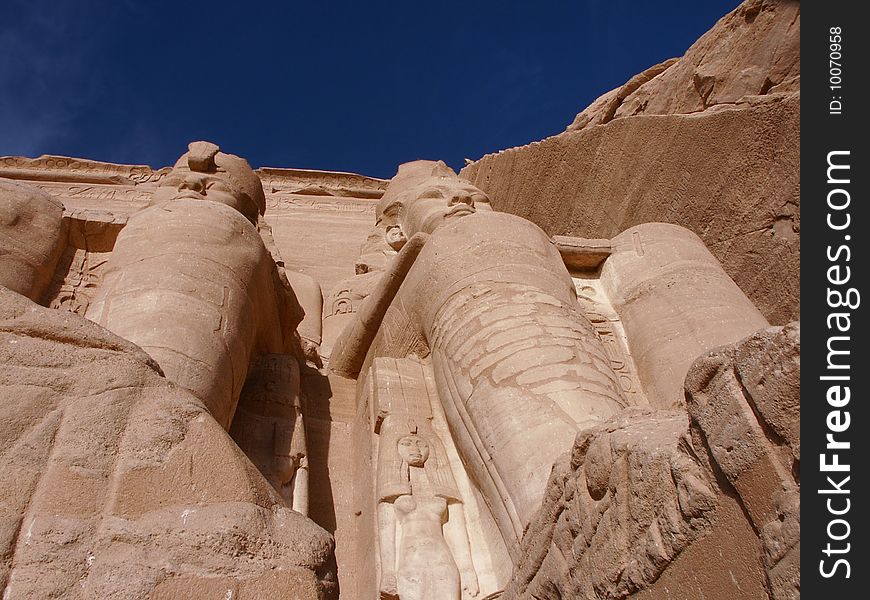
(414, 450)
(409, 441)
(205, 173)
(428, 205)
(32, 237)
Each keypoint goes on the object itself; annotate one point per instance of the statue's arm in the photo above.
(310, 298)
(457, 531)
(387, 543)
(351, 347)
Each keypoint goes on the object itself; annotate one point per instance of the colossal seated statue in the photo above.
(520, 364)
(191, 282)
(519, 368)
(114, 475)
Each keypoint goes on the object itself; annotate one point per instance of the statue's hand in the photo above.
(469, 582)
(389, 589)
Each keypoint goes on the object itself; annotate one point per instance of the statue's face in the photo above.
(414, 450)
(205, 173)
(216, 187)
(431, 204)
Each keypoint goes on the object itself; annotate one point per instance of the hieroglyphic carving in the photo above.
(125, 194)
(607, 325)
(90, 241)
(73, 290)
(348, 294)
(286, 202)
(342, 304)
(62, 168)
(422, 532)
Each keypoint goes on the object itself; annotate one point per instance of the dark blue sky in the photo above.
(352, 86)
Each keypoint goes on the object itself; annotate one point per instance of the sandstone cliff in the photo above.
(708, 141)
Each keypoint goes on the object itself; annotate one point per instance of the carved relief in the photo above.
(269, 427)
(103, 193)
(423, 537)
(73, 291)
(607, 325)
(341, 306)
(62, 168)
(79, 274)
(282, 202)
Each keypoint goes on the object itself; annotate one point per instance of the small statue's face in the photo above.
(414, 450)
(434, 203)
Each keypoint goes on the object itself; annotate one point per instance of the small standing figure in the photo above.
(430, 559)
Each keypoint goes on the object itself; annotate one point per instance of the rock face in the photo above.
(119, 484)
(32, 235)
(708, 141)
(753, 51)
(667, 504)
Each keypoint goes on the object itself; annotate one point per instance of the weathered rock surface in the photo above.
(118, 484)
(709, 142)
(668, 505)
(32, 235)
(752, 51)
(612, 518)
(744, 401)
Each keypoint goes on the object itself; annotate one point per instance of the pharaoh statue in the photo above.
(486, 301)
(114, 450)
(191, 282)
(486, 296)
